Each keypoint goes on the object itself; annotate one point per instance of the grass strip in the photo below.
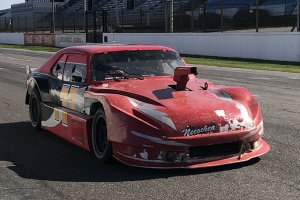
(35, 48)
(243, 63)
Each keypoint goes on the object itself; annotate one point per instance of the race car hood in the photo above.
(190, 112)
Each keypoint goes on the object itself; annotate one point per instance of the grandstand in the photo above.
(70, 15)
(154, 9)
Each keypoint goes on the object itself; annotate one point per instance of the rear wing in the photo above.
(29, 69)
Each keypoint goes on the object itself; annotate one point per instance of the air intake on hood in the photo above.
(181, 76)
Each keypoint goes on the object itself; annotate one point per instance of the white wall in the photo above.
(70, 39)
(268, 46)
(12, 38)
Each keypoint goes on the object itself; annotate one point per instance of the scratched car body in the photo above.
(144, 106)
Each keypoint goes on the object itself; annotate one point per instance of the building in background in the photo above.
(28, 15)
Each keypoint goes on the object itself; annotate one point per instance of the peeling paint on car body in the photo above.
(144, 154)
(156, 121)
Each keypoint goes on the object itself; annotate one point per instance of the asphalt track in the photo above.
(36, 165)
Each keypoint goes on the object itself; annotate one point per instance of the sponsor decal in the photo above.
(69, 39)
(43, 39)
(195, 130)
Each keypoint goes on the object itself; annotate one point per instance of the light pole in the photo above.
(53, 16)
(148, 12)
(222, 15)
(257, 14)
(298, 17)
(171, 16)
(117, 11)
(85, 13)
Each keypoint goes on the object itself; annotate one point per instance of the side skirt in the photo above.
(72, 126)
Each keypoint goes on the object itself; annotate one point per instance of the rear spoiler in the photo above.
(29, 69)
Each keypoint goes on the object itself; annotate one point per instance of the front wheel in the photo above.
(35, 111)
(102, 147)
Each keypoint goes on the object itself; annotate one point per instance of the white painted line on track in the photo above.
(13, 58)
(262, 78)
(294, 78)
(1, 68)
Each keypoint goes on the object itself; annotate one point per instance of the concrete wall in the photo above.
(12, 38)
(267, 46)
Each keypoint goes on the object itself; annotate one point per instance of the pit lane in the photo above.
(36, 165)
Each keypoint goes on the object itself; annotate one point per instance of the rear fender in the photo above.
(42, 85)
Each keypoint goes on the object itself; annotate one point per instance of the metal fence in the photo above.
(43, 22)
(191, 16)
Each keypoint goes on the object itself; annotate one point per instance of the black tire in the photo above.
(35, 111)
(101, 146)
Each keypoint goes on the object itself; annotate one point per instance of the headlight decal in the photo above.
(152, 111)
(234, 124)
(258, 128)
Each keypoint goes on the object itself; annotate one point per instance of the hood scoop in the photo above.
(181, 77)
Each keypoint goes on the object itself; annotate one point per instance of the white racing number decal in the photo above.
(64, 117)
(68, 95)
(56, 114)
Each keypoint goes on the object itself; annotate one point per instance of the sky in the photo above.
(7, 3)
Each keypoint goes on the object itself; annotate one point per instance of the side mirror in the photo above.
(77, 79)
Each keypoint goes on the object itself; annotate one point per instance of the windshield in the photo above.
(124, 64)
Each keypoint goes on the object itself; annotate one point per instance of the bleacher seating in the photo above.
(274, 2)
(214, 5)
(156, 7)
(240, 4)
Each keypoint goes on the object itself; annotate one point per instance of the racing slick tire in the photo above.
(35, 111)
(101, 146)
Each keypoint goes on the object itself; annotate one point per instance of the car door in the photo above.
(69, 82)
(74, 82)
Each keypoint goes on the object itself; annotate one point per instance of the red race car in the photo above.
(144, 106)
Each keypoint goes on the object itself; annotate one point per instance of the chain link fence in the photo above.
(162, 16)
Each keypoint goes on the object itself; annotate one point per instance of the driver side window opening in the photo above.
(75, 72)
(57, 70)
(75, 69)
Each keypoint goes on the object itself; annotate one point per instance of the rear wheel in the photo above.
(35, 111)
(102, 147)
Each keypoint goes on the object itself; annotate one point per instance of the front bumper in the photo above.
(145, 159)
